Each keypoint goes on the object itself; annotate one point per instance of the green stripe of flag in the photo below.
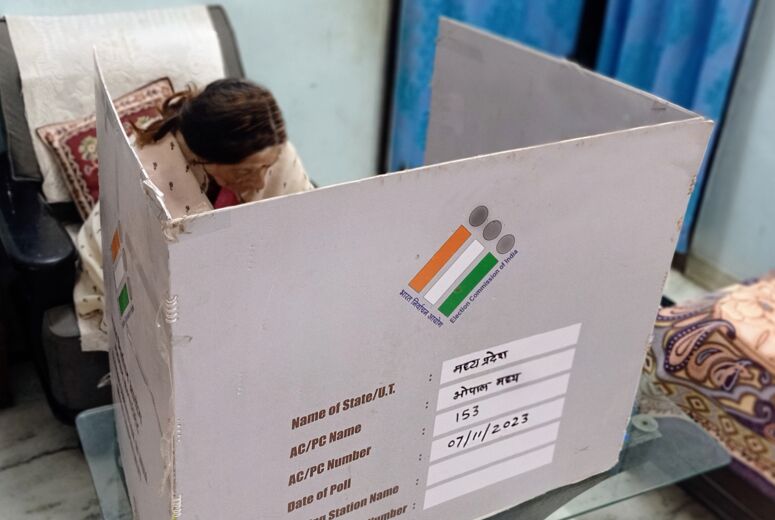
(123, 299)
(467, 285)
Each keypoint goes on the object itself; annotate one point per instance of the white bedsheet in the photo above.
(57, 69)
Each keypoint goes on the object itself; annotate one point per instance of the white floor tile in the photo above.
(43, 474)
(680, 289)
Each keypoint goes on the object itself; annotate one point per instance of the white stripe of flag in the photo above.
(454, 272)
(120, 270)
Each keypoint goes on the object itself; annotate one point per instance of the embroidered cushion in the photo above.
(74, 143)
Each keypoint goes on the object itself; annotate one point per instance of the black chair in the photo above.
(40, 254)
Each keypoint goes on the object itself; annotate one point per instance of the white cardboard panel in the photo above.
(139, 353)
(491, 94)
(312, 314)
(307, 359)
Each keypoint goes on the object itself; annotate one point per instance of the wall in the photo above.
(323, 60)
(735, 232)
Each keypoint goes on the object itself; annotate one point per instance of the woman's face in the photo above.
(248, 174)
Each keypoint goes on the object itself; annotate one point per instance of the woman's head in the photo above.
(233, 125)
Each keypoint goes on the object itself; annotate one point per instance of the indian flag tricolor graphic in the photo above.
(119, 273)
(448, 273)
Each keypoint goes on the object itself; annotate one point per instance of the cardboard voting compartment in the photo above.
(440, 343)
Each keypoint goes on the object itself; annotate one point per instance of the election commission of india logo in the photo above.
(462, 268)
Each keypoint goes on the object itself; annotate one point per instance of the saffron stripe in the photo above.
(454, 272)
(115, 245)
(467, 285)
(439, 259)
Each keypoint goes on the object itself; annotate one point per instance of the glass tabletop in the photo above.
(97, 430)
(658, 451)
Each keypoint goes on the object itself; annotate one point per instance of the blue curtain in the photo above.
(684, 51)
(549, 25)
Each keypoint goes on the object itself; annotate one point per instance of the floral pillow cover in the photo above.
(74, 143)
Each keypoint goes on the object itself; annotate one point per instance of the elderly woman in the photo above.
(232, 135)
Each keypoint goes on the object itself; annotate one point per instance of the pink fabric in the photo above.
(226, 198)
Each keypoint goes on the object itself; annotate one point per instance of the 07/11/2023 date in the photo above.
(480, 434)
